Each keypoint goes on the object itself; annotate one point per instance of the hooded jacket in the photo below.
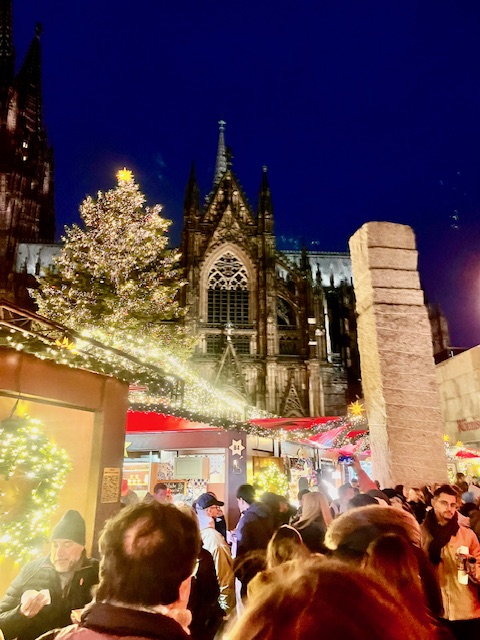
(40, 574)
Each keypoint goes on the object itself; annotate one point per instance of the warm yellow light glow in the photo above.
(124, 175)
(356, 408)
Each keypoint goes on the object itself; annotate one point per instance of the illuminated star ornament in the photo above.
(124, 175)
(236, 447)
(356, 409)
(66, 344)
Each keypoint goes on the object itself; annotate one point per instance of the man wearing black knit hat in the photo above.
(47, 590)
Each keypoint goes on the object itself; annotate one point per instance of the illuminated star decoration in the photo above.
(356, 409)
(124, 175)
(66, 344)
(459, 444)
(446, 437)
(236, 447)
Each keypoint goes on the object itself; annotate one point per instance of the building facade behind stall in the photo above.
(275, 328)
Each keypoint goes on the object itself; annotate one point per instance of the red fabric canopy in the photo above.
(143, 422)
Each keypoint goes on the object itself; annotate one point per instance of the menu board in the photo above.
(177, 487)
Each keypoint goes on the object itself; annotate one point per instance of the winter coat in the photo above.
(215, 543)
(254, 529)
(40, 574)
(460, 602)
(104, 621)
(207, 615)
(313, 535)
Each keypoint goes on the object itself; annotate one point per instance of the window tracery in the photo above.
(228, 295)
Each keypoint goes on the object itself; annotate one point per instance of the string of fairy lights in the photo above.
(33, 470)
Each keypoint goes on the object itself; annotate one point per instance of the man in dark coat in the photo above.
(46, 591)
(256, 526)
(253, 533)
(149, 552)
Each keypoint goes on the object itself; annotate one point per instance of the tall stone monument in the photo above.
(396, 354)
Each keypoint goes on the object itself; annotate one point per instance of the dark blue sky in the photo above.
(361, 111)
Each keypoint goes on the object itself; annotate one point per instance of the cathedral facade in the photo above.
(275, 328)
(26, 159)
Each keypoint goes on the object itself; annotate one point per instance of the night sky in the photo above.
(361, 111)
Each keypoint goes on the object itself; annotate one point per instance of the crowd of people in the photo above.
(371, 564)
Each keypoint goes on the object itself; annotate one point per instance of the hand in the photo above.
(32, 602)
(356, 466)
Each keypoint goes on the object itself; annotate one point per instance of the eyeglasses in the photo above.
(451, 505)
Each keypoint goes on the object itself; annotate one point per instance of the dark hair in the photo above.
(361, 500)
(147, 550)
(160, 486)
(445, 488)
(246, 492)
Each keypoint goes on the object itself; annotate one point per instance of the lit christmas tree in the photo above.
(116, 278)
(32, 473)
(270, 479)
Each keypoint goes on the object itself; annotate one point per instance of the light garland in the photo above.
(32, 471)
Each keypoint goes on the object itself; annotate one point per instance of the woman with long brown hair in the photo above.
(315, 519)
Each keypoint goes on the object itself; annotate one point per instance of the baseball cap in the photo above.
(207, 500)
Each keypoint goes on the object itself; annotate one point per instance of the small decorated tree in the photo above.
(270, 479)
(116, 278)
(32, 473)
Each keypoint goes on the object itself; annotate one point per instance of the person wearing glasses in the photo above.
(208, 508)
(454, 550)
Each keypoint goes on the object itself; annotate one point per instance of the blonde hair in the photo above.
(314, 505)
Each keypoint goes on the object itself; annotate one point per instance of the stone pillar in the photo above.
(396, 355)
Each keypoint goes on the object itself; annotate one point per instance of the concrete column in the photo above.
(396, 355)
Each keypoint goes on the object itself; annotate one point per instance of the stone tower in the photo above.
(270, 329)
(26, 159)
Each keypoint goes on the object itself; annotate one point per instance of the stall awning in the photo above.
(322, 432)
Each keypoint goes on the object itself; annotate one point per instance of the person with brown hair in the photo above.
(148, 553)
(321, 598)
(315, 519)
(352, 537)
(286, 544)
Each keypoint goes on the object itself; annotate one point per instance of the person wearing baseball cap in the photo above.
(47, 590)
(208, 508)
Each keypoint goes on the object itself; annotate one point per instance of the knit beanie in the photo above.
(70, 527)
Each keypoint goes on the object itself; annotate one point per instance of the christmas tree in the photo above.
(271, 478)
(116, 278)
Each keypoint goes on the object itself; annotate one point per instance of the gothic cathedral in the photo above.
(274, 328)
(26, 159)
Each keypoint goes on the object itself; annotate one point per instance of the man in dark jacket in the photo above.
(255, 527)
(149, 552)
(253, 533)
(46, 591)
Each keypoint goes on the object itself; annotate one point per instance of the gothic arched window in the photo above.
(228, 291)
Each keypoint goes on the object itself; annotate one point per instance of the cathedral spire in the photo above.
(7, 50)
(30, 85)
(221, 164)
(265, 206)
(191, 203)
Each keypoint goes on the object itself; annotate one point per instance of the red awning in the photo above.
(145, 422)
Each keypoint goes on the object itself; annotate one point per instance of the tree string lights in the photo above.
(32, 473)
(117, 274)
(270, 479)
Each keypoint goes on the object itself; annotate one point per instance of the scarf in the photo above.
(441, 535)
